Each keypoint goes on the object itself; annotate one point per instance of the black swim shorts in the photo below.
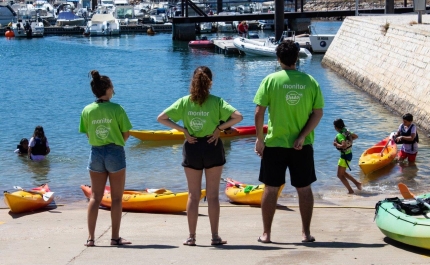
(202, 154)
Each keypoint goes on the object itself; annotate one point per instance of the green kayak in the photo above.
(404, 221)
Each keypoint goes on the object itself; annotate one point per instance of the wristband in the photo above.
(219, 128)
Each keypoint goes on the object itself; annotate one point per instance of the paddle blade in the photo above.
(18, 188)
(47, 196)
(404, 190)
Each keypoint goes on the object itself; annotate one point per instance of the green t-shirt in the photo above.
(104, 123)
(199, 120)
(290, 96)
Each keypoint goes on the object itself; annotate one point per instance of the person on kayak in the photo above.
(295, 104)
(408, 136)
(343, 143)
(107, 127)
(203, 151)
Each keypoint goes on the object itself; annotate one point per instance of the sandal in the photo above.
(191, 241)
(120, 241)
(90, 243)
(216, 240)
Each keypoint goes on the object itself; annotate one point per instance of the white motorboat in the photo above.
(263, 47)
(28, 24)
(102, 25)
(28, 29)
(320, 42)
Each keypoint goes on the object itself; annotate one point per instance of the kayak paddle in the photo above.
(404, 190)
(46, 196)
(391, 138)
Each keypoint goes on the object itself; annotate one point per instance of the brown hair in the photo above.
(100, 83)
(200, 84)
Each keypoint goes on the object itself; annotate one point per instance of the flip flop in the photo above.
(119, 242)
(311, 239)
(264, 241)
(217, 241)
(90, 243)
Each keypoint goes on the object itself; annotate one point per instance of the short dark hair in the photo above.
(408, 117)
(288, 52)
(338, 123)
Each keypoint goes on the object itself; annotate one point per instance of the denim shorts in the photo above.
(107, 158)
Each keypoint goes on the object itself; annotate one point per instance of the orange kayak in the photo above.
(165, 135)
(378, 156)
(28, 200)
(148, 201)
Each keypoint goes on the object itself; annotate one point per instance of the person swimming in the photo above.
(22, 147)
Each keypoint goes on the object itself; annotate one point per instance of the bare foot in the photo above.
(359, 186)
(307, 239)
(264, 238)
(351, 192)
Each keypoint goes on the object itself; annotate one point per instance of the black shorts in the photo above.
(300, 163)
(202, 154)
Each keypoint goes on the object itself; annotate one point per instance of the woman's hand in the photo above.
(190, 139)
(214, 136)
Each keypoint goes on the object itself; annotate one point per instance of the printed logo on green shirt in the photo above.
(102, 132)
(293, 97)
(197, 124)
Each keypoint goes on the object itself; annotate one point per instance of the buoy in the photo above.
(9, 34)
(150, 31)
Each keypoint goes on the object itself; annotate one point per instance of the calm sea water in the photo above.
(45, 82)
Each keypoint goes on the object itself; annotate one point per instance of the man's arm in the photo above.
(311, 124)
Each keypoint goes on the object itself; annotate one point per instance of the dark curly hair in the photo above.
(338, 123)
(100, 83)
(288, 52)
(200, 84)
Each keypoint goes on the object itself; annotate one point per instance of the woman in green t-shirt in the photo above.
(107, 127)
(201, 114)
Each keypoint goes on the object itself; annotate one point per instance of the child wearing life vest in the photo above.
(38, 146)
(22, 147)
(408, 136)
(343, 143)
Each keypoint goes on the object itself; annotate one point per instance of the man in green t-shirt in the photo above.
(295, 105)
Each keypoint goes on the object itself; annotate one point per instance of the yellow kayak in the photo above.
(378, 156)
(157, 201)
(165, 135)
(26, 201)
(244, 193)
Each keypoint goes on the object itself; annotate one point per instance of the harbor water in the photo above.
(45, 82)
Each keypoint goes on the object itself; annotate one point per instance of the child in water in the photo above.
(38, 145)
(22, 147)
(343, 143)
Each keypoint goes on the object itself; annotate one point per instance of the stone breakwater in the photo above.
(389, 58)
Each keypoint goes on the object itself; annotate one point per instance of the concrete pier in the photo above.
(388, 57)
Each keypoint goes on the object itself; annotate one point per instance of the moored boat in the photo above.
(165, 135)
(148, 201)
(394, 221)
(102, 25)
(378, 156)
(259, 47)
(28, 200)
(203, 43)
(240, 193)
